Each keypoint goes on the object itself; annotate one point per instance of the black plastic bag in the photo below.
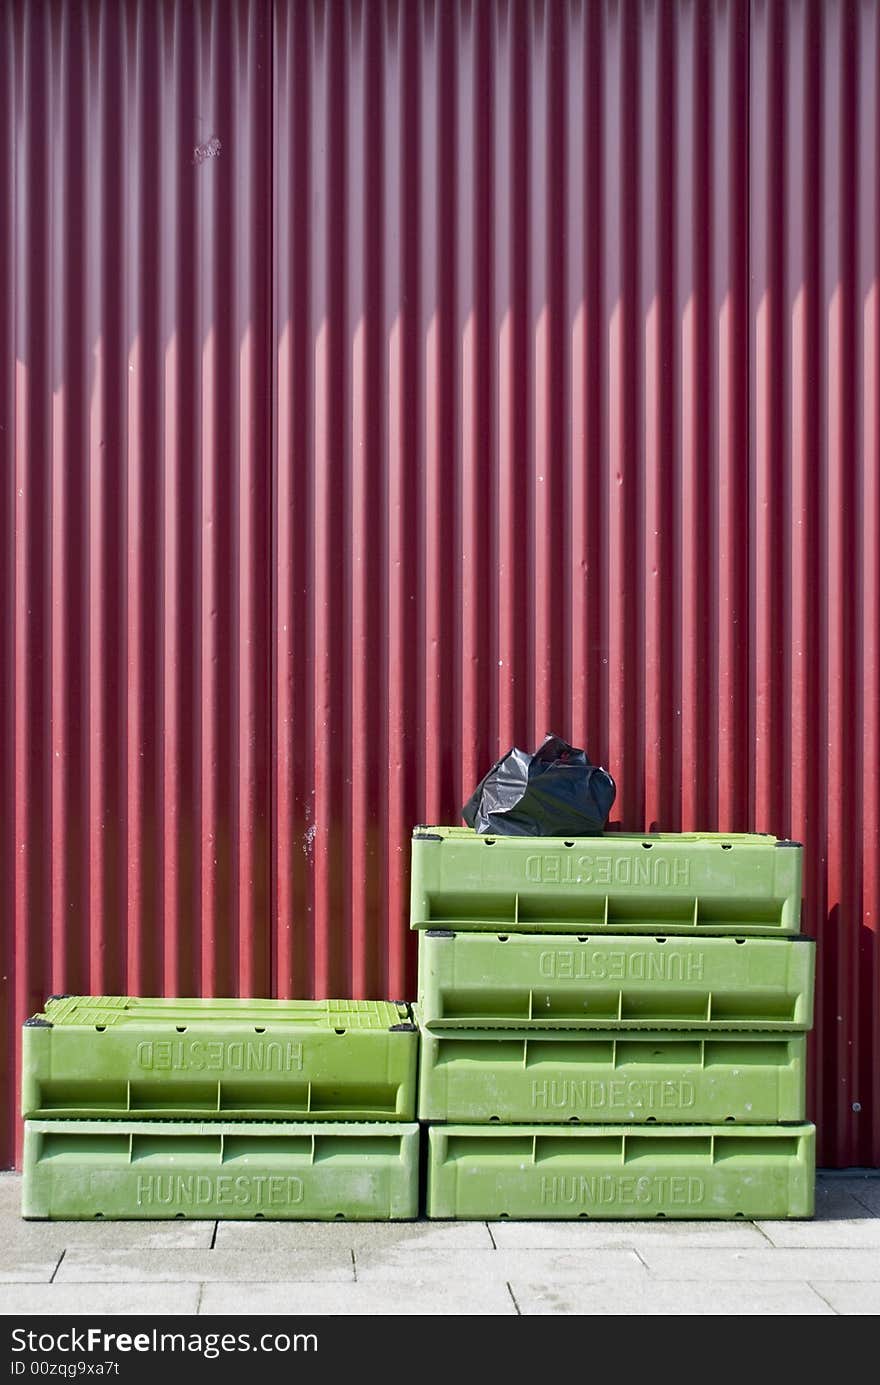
(554, 793)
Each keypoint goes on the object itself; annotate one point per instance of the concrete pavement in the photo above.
(823, 1267)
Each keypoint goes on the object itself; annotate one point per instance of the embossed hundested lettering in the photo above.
(223, 1190)
(201, 1055)
(582, 964)
(675, 1190)
(608, 870)
(618, 1093)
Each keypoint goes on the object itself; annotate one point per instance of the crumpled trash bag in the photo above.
(554, 793)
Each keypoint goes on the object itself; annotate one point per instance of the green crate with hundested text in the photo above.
(115, 1056)
(540, 981)
(563, 1172)
(119, 1170)
(697, 883)
(522, 1077)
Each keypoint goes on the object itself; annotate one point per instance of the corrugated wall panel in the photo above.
(382, 384)
(136, 436)
(814, 258)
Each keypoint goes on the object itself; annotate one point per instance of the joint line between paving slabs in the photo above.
(199, 1300)
(864, 1204)
(214, 1235)
(491, 1237)
(818, 1292)
(513, 1296)
(58, 1266)
(354, 1265)
(763, 1233)
(641, 1259)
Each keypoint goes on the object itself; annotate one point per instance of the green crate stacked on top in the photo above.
(613, 1026)
(238, 1109)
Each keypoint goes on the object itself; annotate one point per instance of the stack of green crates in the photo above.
(613, 1026)
(220, 1108)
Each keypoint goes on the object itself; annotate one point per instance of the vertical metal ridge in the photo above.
(9, 1014)
(699, 474)
(332, 439)
(625, 520)
(256, 562)
(168, 540)
(214, 509)
(184, 499)
(143, 354)
(30, 595)
(667, 181)
(178, 442)
(108, 445)
(771, 594)
(93, 614)
(147, 499)
(367, 756)
(731, 304)
(482, 543)
(281, 779)
(65, 613)
(844, 588)
(590, 545)
(465, 331)
(809, 619)
(294, 315)
(443, 439)
(867, 338)
(362, 751)
(473, 308)
(406, 668)
(550, 462)
(574, 326)
(511, 117)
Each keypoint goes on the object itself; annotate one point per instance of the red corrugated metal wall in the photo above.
(385, 383)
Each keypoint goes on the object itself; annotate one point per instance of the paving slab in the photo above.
(669, 1298)
(202, 1266)
(411, 1236)
(117, 1235)
(400, 1297)
(590, 1235)
(865, 1189)
(821, 1267)
(850, 1299)
(860, 1233)
(773, 1263)
(27, 1266)
(96, 1300)
(10, 1194)
(844, 1198)
(44, 1237)
(484, 1266)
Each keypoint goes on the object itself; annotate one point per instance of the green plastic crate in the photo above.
(706, 883)
(564, 1172)
(116, 1056)
(507, 981)
(120, 1170)
(671, 1078)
